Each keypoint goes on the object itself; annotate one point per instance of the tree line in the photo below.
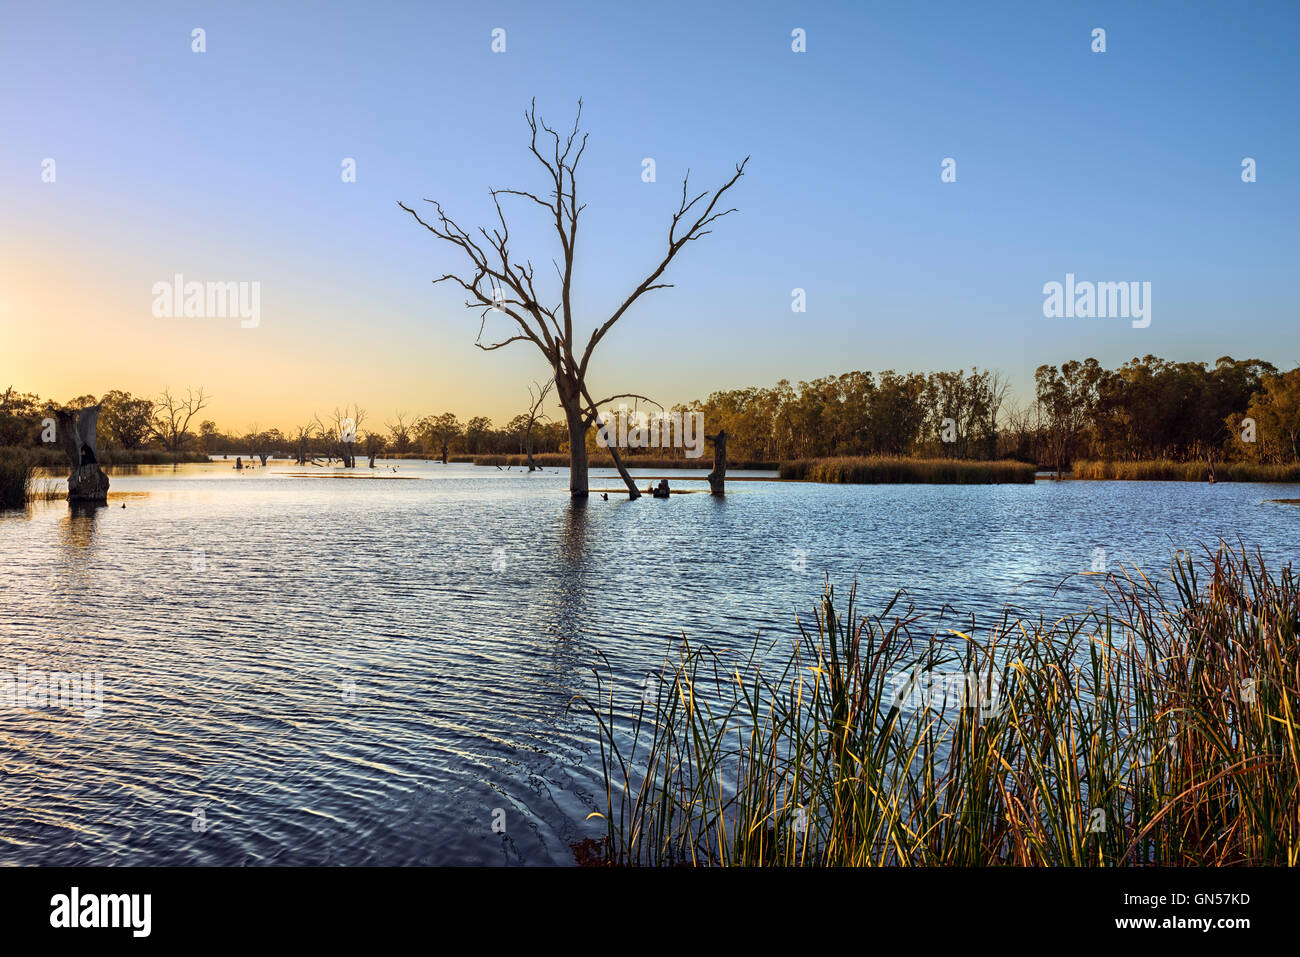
(171, 422)
(126, 422)
(1148, 408)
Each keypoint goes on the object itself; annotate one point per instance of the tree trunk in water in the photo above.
(577, 447)
(718, 477)
(76, 432)
(571, 395)
(444, 453)
(531, 466)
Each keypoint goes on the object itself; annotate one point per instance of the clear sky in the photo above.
(225, 166)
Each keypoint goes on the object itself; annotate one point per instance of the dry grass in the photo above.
(46, 490)
(1167, 470)
(53, 456)
(881, 470)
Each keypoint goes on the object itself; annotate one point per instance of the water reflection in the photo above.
(77, 538)
(573, 572)
(83, 510)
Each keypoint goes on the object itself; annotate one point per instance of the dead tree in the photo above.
(76, 431)
(172, 416)
(501, 284)
(339, 433)
(302, 444)
(401, 433)
(257, 446)
(718, 477)
(535, 415)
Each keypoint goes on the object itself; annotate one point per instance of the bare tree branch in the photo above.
(675, 245)
(499, 282)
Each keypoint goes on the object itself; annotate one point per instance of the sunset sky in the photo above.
(225, 166)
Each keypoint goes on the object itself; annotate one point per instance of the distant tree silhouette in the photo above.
(172, 416)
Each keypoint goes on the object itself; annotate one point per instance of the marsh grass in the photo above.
(15, 479)
(45, 490)
(1167, 470)
(53, 456)
(884, 469)
(1161, 731)
(19, 483)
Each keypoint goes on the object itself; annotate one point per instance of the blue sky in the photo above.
(1116, 166)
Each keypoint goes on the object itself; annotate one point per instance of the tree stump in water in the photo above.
(86, 481)
(718, 477)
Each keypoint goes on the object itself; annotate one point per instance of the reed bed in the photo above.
(888, 470)
(1167, 470)
(15, 479)
(53, 457)
(1160, 731)
(19, 483)
(44, 489)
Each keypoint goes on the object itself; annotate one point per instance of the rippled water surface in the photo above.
(307, 669)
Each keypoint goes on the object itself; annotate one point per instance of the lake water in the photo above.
(299, 668)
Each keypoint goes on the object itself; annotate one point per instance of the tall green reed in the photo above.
(1160, 729)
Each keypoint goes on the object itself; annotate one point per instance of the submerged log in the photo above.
(632, 491)
(718, 477)
(86, 481)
